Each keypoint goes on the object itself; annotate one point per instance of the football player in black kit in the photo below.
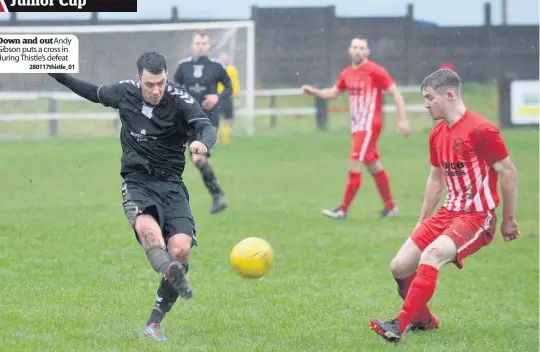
(200, 75)
(156, 119)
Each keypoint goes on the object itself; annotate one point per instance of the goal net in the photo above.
(34, 105)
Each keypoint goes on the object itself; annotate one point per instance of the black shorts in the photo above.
(166, 200)
(226, 108)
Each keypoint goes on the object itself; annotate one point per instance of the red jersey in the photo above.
(465, 153)
(365, 85)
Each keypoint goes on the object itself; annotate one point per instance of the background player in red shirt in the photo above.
(468, 155)
(365, 81)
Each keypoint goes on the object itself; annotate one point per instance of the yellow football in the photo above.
(252, 257)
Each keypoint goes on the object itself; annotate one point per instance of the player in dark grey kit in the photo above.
(200, 76)
(156, 119)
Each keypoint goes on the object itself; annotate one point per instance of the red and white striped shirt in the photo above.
(365, 85)
(465, 152)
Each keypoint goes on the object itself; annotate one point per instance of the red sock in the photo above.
(421, 290)
(424, 315)
(355, 180)
(383, 186)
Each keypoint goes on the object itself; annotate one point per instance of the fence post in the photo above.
(321, 114)
(174, 14)
(273, 119)
(487, 14)
(53, 124)
(330, 23)
(13, 18)
(505, 100)
(410, 45)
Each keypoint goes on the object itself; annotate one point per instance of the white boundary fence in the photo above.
(272, 111)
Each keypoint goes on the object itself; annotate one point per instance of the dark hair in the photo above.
(201, 34)
(152, 62)
(361, 37)
(442, 78)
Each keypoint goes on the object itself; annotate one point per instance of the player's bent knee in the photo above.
(375, 167)
(406, 260)
(395, 267)
(356, 166)
(180, 247)
(402, 268)
(439, 253)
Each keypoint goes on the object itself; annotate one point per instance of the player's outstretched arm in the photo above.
(108, 96)
(433, 193)
(403, 122)
(198, 122)
(204, 131)
(326, 93)
(509, 187)
(87, 90)
(490, 146)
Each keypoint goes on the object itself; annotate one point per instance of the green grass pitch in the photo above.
(74, 278)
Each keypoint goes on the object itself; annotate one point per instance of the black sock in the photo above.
(209, 179)
(160, 259)
(166, 297)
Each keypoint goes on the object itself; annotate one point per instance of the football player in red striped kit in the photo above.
(467, 157)
(365, 82)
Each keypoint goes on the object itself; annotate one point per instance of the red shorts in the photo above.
(364, 146)
(469, 231)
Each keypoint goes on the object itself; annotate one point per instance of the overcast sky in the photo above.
(448, 13)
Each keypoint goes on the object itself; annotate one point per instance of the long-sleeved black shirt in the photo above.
(200, 77)
(153, 137)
